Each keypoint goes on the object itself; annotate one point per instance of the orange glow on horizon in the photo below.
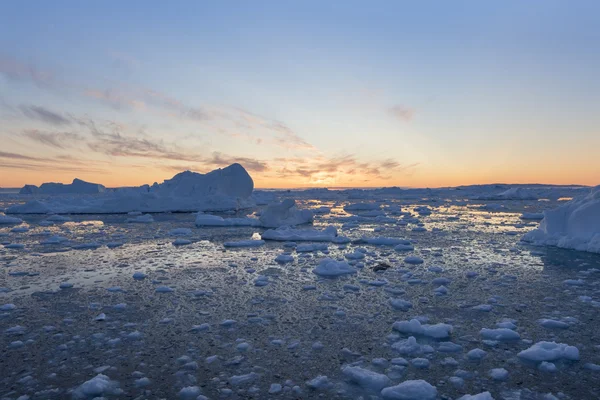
(149, 175)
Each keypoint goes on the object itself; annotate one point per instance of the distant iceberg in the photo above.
(223, 189)
(77, 187)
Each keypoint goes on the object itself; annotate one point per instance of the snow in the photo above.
(573, 225)
(223, 189)
(78, 186)
(286, 234)
(365, 378)
(332, 268)
(410, 390)
(549, 351)
(414, 327)
(6, 220)
(284, 214)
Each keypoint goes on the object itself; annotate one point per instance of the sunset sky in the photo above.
(302, 93)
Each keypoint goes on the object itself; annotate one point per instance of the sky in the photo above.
(301, 93)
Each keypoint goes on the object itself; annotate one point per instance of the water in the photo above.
(277, 325)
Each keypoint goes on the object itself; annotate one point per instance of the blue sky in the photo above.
(302, 93)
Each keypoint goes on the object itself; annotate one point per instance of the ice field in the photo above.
(409, 294)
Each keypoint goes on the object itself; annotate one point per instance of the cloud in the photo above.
(59, 140)
(16, 156)
(16, 71)
(251, 164)
(43, 114)
(58, 166)
(402, 113)
(115, 99)
(343, 168)
(60, 163)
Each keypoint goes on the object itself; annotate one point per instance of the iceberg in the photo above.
(223, 189)
(78, 186)
(573, 225)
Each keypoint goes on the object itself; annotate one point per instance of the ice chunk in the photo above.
(553, 324)
(181, 242)
(382, 241)
(400, 304)
(410, 390)
(285, 214)
(287, 234)
(189, 393)
(534, 216)
(245, 243)
(332, 268)
(214, 220)
(480, 396)
(499, 374)
(365, 378)
(499, 334)
(413, 260)
(476, 354)
(414, 327)
(550, 351)
(320, 382)
(142, 219)
(180, 232)
(98, 386)
(362, 207)
(6, 220)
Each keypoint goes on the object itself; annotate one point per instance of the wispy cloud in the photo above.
(16, 156)
(345, 168)
(59, 140)
(16, 71)
(43, 114)
(222, 160)
(402, 113)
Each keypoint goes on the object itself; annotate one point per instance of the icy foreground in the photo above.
(385, 294)
(223, 189)
(575, 225)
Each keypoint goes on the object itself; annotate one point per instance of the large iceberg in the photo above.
(77, 187)
(574, 225)
(223, 189)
